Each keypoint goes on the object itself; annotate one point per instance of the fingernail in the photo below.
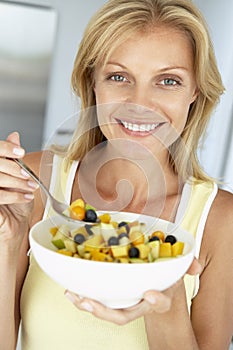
(86, 306)
(151, 299)
(18, 151)
(29, 196)
(32, 184)
(24, 173)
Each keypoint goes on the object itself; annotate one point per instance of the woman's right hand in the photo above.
(16, 194)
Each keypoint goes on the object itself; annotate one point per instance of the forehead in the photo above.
(160, 46)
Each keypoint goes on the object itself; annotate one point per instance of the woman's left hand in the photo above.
(153, 301)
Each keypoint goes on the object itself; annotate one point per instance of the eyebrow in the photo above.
(164, 69)
(115, 64)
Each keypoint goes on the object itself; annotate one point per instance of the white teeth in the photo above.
(139, 127)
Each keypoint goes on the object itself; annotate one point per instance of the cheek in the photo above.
(101, 93)
(105, 110)
(107, 94)
(178, 111)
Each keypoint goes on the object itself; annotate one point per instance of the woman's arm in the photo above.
(212, 309)
(211, 325)
(15, 219)
(172, 329)
(13, 268)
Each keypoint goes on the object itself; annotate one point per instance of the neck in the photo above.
(119, 182)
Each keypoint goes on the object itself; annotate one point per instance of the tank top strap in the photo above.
(196, 201)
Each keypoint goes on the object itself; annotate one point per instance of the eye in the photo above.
(170, 82)
(117, 77)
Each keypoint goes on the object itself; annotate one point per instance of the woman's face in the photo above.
(144, 91)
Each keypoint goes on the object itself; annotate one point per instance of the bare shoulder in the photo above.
(221, 214)
(218, 236)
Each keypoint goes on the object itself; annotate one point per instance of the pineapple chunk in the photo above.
(65, 252)
(99, 256)
(120, 250)
(144, 250)
(165, 250)
(93, 242)
(177, 248)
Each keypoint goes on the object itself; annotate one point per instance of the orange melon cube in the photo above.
(105, 218)
(53, 230)
(136, 237)
(158, 234)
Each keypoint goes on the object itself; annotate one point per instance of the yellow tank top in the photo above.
(51, 322)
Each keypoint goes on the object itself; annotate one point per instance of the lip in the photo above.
(139, 128)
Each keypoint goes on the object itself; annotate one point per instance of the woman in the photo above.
(148, 82)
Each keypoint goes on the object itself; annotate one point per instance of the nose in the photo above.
(140, 99)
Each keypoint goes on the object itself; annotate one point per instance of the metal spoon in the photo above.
(59, 207)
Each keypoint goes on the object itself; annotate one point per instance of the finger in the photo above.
(157, 302)
(11, 147)
(153, 302)
(10, 167)
(7, 181)
(14, 138)
(99, 310)
(14, 197)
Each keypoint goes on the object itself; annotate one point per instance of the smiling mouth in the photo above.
(139, 128)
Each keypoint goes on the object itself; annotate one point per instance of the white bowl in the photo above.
(115, 285)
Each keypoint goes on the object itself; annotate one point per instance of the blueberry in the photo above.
(170, 239)
(79, 238)
(123, 234)
(154, 238)
(89, 230)
(134, 252)
(90, 215)
(113, 241)
(123, 223)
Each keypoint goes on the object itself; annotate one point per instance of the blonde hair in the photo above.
(116, 21)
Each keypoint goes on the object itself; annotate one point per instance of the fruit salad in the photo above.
(79, 210)
(111, 241)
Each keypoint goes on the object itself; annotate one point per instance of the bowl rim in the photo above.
(33, 241)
